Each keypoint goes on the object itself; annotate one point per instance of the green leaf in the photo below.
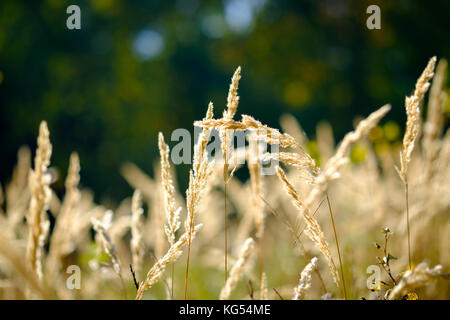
(391, 257)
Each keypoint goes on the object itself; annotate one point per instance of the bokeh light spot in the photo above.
(148, 44)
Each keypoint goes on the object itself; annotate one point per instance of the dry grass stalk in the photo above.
(256, 182)
(330, 172)
(172, 212)
(198, 178)
(233, 98)
(302, 161)
(237, 269)
(255, 168)
(158, 217)
(336, 239)
(174, 252)
(14, 255)
(313, 230)
(2, 201)
(332, 167)
(419, 277)
(432, 128)
(200, 154)
(39, 182)
(139, 180)
(263, 292)
(137, 242)
(290, 125)
(101, 228)
(17, 191)
(325, 141)
(61, 240)
(363, 190)
(226, 139)
(412, 105)
(266, 133)
(305, 280)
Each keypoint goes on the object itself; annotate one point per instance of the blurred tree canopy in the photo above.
(139, 67)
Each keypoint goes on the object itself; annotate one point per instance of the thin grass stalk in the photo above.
(202, 170)
(172, 212)
(413, 111)
(228, 114)
(297, 240)
(156, 272)
(237, 269)
(337, 246)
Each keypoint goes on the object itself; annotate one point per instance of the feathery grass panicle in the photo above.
(254, 167)
(332, 167)
(17, 192)
(228, 114)
(412, 106)
(268, 134)
(313, 230)
(301, 161)
(14, 253)
(263, 287)
(419, 277)
(2, 200)
(325, 140)
(413, 111)
(172, 212)
(226, 137)
(174, 252)
(366, 192)
(236, 270)
(43, 237)
(233, 98)
(198, 178)
(139, 180)
(256, 183)
(305, 280)
(264, 132)
(60, 243)
(101, 228)
(73, 179)
(137, 242)
(200, 154)
(330, 172)
(290, 125)
(432, 128)
(39, 183)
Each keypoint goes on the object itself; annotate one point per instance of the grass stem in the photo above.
(337, 245)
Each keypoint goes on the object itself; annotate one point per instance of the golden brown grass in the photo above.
(413, 112)
(358, 175)
(305, 280)
(39, 182)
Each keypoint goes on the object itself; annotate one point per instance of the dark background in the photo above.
(139, 67)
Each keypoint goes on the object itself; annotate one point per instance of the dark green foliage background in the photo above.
(315, 59)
